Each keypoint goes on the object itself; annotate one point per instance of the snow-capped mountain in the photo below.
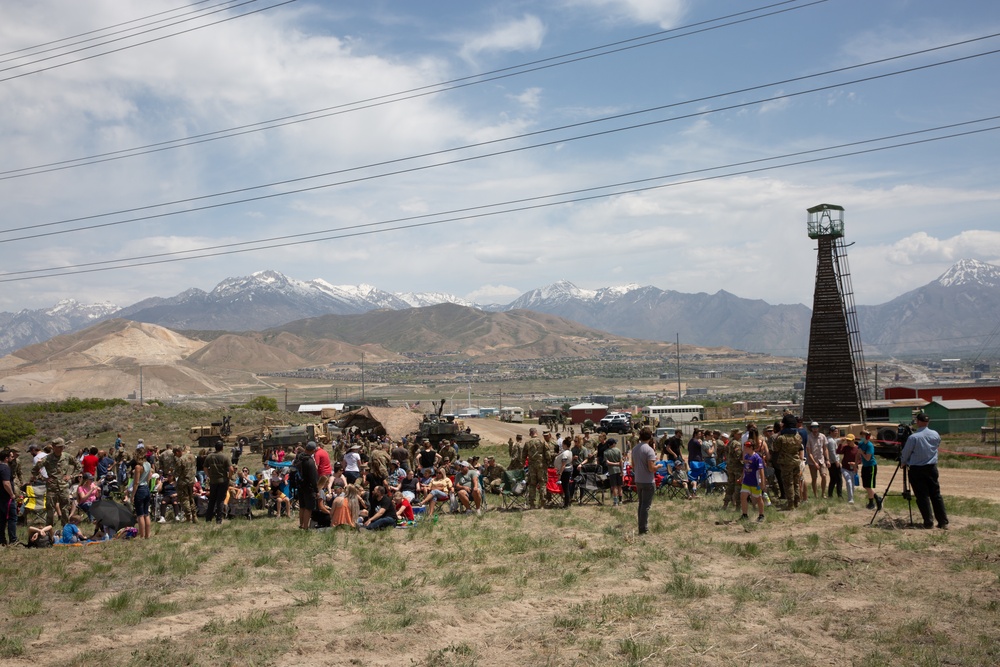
(971, 272)
(28, 327)
(960, 305)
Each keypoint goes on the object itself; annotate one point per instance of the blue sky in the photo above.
(910, 211)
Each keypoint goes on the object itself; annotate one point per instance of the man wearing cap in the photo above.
(492, 476)
(467, 488)
(323, 466)
(644, 469)
(816, 458)
(516, 451)
(37, 454)
(535, 451)
(59, 473)
(788, 455)
(919, 455)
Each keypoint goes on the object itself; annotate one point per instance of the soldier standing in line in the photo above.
(186, 471)
(788, 454)
(516, 451)
(535, 451)
(60, 470)
(734, 468)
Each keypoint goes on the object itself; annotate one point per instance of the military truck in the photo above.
(552, 418)
(436, 428)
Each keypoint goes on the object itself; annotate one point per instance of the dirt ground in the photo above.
(818, 586)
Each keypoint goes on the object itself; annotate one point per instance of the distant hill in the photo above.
(956, 309)
(104, 360)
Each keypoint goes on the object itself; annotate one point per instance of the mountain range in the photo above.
(954, 311)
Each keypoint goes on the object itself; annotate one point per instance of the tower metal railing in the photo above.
(854, 331)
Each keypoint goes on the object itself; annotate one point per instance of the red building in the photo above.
(584, 411)
(987, 393)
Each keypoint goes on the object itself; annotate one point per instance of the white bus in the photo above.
(512, 415)
(668, 414)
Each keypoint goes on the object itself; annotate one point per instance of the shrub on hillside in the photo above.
(14, 428)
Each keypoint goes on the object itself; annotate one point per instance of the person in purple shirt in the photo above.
(753, 481)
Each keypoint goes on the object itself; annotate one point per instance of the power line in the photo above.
(366, 228)
(99, 30)
(132, 46)
(465, 159)
(391, 98)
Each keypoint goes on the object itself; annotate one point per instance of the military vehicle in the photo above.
(552, 418)
(270, 433)
(437, 428)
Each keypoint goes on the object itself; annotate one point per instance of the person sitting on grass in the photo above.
(439, 489)
(277, 492)
(323, 514)
(403, 508)
(384, 511)
(71, 531)
(87, 493)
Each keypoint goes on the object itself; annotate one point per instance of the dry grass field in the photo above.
(817, 586)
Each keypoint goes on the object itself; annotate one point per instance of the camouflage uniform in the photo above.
(734, 472)
(516, 450)
(61, 469)
(535, 450)
(186, 470)
(787, 452)
(378, 464)
(168, 463)
(493, 478)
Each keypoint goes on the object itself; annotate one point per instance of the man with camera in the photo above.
(919, 456)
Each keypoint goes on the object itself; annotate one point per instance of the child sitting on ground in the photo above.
(71, 532)
(404, 510)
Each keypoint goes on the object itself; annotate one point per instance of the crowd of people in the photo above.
(364, 483)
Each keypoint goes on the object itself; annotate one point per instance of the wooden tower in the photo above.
(836, 381)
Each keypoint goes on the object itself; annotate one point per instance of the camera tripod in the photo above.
(906, 494)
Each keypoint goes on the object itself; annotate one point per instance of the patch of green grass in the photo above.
(743, 550)
(812, 541)
(120, 601)
(684, 587)
(11, 647)
(453, 655)
(635, 652)
(752, 592)
(808, 566)
(25, 607)
(568, 579)
(785, 606)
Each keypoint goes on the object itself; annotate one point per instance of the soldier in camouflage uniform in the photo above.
(15, 468)
(787, 452)
(734, 469)
(535, 450)
(516, 451)
(61, 470)
(168, 461)
(492, 476)
(186, 471)
(378, 467)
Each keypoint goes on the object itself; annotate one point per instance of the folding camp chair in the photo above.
(698, 472)
(629, 492)
(716, 478)
(553, 488)
(512, 493)
(591, 485)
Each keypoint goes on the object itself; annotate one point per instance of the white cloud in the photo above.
(529, 99)
(524, 34)
(664, 13)
(921, 247)
(494, 294)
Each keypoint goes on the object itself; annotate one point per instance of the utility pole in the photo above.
(362, 377)
(140, 385)
(678, 369)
